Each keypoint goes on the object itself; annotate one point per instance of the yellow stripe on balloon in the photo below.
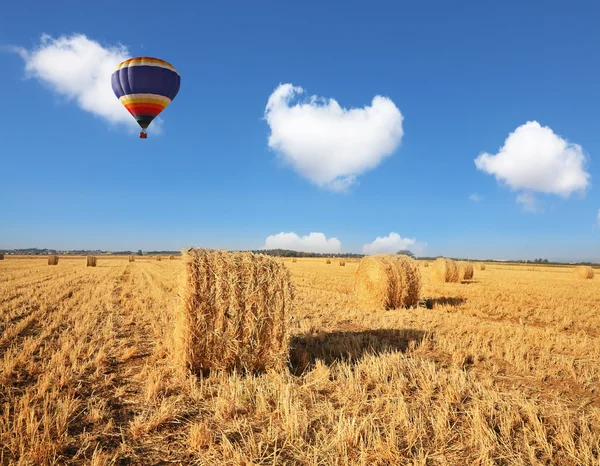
(145, 98)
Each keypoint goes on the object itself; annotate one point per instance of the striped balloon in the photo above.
(145, 86)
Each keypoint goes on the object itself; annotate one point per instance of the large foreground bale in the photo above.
(235, 312)
(583, 271)
(91, 261)
(52, 260)
(445, 271)
(465, 270)
(387, 280)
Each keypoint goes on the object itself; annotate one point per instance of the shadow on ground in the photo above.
(330, 347)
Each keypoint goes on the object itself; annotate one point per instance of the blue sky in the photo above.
(222, 170)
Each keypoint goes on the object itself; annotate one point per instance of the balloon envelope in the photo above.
(145, 86)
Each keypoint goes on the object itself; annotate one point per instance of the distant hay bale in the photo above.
(328, 261)
(388, 280)
(425, 264)
(583, 271)
(131, 258)
(1, 257)
(294, 259)
(481, 266)
(445, 271)
(343, 263)
(171, 258)
(234, 312)
(53, 260)
(91, 261)
(158, 258)
(465, 270)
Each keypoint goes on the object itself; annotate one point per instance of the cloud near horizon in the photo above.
(535, 159)
(314, 242)
(327, 144)
(80, 69)
(393, 243)
(529, 202)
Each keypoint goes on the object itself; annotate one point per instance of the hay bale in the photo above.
(465, 270)
(1, 257)
(425, 264)
(328, 261)
(171, 258)
(388, 280)
(91, 261)
(131, 258)
(481, 266)
(158, 258)
(343, 263)
(234, 312)
(583, 271)
(53, 260)
(294, 259)
(445, 271)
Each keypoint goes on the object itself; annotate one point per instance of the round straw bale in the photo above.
(91, 261)
(465, 270)
(445, 270)
(158, 258)
(1, 257)
(234, 312)
(53, 260)
(583, 271)
(425, 264)
(481, 266)
(131, 258)
(388, 280)
(328, 261)
(343, 263)
(294, 259)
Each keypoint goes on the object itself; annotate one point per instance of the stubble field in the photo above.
(500, 369)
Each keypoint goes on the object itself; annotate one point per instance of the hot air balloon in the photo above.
(145, 86)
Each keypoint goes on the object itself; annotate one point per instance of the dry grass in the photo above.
(91, 261)
(502, 371)
(53, 260)
(584, 272)
(235, 312)
(465, 270)
(445, 271)
(388, 281)
(131, 258)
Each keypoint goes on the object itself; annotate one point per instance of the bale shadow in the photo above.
(351, 346)
(469, 282)
(430, 303)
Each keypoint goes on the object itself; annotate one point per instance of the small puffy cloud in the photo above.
(534, 158)
(393, 243)
(529, 202)
(314, 242)
(475, 197)
(79, 69)
(328, 144)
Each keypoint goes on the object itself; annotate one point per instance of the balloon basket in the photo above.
(143, 135)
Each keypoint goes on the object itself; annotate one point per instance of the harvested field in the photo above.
(500, 370)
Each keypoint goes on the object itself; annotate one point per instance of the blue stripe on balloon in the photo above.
(145, 80)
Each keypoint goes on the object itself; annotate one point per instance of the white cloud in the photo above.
(314, 242)
(393, 243)
(534, 158)
(475, 197)
(80, 69)
(328, 144)
(529, 202)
